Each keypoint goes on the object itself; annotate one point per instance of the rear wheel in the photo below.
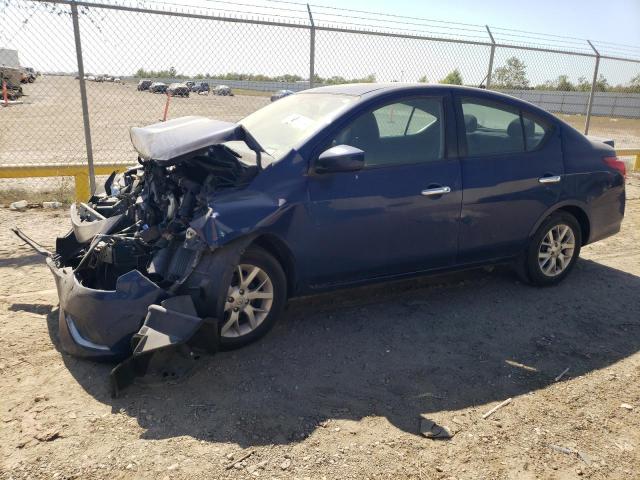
(255, 299)
(553, 250)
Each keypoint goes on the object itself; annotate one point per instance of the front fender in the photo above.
(208, 283)
(234, 216)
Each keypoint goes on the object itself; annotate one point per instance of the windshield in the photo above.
(281, 125)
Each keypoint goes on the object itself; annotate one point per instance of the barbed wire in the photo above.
(294, 12)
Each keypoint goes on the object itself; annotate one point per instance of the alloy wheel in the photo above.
(249, 301)
(556, 250)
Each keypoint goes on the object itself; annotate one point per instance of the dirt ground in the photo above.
(338, 388)
(625, 131)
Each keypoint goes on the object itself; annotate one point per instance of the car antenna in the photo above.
(482, 85)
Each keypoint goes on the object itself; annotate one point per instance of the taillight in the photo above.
(619, 165)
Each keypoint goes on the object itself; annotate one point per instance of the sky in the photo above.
(119, 43)
(616, 21)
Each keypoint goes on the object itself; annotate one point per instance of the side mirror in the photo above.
(341, 158)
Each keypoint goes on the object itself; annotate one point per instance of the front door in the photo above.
(398, 214)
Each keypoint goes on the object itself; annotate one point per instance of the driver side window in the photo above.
(405, 132)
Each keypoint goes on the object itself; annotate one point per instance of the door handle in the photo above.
(430, 192)
(550, 179)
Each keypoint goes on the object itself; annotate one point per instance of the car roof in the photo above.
(351, 88)
(360, 89)
(372, 90)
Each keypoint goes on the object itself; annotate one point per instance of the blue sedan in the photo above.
(220, 223)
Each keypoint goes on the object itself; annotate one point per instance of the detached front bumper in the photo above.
(100, 324)
(133, 321)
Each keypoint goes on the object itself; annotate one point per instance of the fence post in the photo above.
(493, 51)
(83, 98)
(593, 89)
(312, 48)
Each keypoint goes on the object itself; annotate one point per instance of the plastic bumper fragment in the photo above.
(100, 323)
(172, 323)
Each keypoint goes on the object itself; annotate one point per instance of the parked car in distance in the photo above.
(14, 90)
(223, 90)
(281, 94)
(31, 74)
(331, 187)
(144, 84)
(158, 87)
(200, 87)
(117, 80)
(178, 90)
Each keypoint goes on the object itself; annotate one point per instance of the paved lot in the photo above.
(337, 388)
(48, 127)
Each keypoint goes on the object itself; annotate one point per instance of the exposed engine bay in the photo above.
(143, 219)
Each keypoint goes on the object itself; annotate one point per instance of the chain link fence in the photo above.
(285, 45)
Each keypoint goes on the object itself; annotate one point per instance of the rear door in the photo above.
(512, 172)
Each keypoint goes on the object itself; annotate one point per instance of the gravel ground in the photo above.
(338, 388)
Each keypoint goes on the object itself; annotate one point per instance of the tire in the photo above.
(548, 259)
(230, 338)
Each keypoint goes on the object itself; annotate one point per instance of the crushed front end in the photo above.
(119, 271)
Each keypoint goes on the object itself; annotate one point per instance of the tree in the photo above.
(584, 85)
(453, 78)
(602, 85)
(634, 84)
(513, 75)
(423, 79)
(562, 83)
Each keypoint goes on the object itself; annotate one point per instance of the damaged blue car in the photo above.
(219, 223)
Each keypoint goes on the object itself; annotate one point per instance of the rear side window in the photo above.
(491, 128)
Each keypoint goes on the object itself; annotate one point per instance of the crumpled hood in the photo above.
(176, 138)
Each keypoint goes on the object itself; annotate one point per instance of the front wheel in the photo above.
(553, 250)
(255, 299)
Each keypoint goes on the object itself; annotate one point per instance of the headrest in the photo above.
(470, 123)
(515, 128)
(364, 130)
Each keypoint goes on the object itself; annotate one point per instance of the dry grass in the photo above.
(625, 131)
